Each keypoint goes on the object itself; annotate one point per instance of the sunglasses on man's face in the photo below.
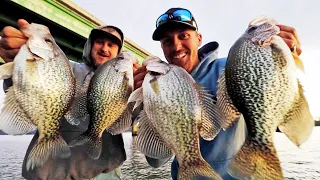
(178, 15)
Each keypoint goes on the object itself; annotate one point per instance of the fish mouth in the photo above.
(158, 72)
(157, 68)
(153, 73)
(258, 21)
(265, 28)
(265, 36)
(272, 30)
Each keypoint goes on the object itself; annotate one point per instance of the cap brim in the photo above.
(160, 30)
(97, 33)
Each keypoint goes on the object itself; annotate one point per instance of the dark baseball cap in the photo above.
(173, 17)
(112, 32)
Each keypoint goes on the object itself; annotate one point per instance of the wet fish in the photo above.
(108, 92)
(260, 82)
(176, 112)
(43, 85)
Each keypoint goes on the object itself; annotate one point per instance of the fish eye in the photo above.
(48, 41)
(252, 29)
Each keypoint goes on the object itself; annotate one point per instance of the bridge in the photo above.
(69, 24)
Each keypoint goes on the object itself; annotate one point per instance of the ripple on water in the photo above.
(297, 163)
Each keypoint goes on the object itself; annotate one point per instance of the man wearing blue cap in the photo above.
(178, 34)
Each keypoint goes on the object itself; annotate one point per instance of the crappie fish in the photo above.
(176, 112)
(43, 86)
(108, 92)
(260, 82)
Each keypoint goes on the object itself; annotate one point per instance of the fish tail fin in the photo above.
(92, 144)
(201, 169)
(254, 161)
(44, 148)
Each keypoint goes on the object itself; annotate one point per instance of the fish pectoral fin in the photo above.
(123, 122)
(13, 119)
(6, 70)
(137, 97)
(149, 141)
(229, 112)
(298, 122)
(210, 115)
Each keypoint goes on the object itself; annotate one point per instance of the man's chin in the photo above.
(179, 62)
(101, 60)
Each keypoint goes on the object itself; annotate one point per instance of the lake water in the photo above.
(297, 163)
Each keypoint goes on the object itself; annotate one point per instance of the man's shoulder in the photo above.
(215, 62)
(209, 53)
(221, 61)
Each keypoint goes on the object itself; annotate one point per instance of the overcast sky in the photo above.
(222, 21)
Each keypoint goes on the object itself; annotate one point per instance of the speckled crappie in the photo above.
(43, 86)
(260, 82)
(108, 92)
(176, 112)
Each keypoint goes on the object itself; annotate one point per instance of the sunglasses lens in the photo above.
(162, 19)
(182, 15)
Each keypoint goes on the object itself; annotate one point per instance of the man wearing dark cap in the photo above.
(178, 34)
(103, 44)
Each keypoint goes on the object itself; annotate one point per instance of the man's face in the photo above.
(103, 49)
(180, 47)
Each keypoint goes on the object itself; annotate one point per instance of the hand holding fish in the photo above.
(139, 75)
(12, 40)
(290, 37)
(48, 155)
(260, 82)
(141, 71)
